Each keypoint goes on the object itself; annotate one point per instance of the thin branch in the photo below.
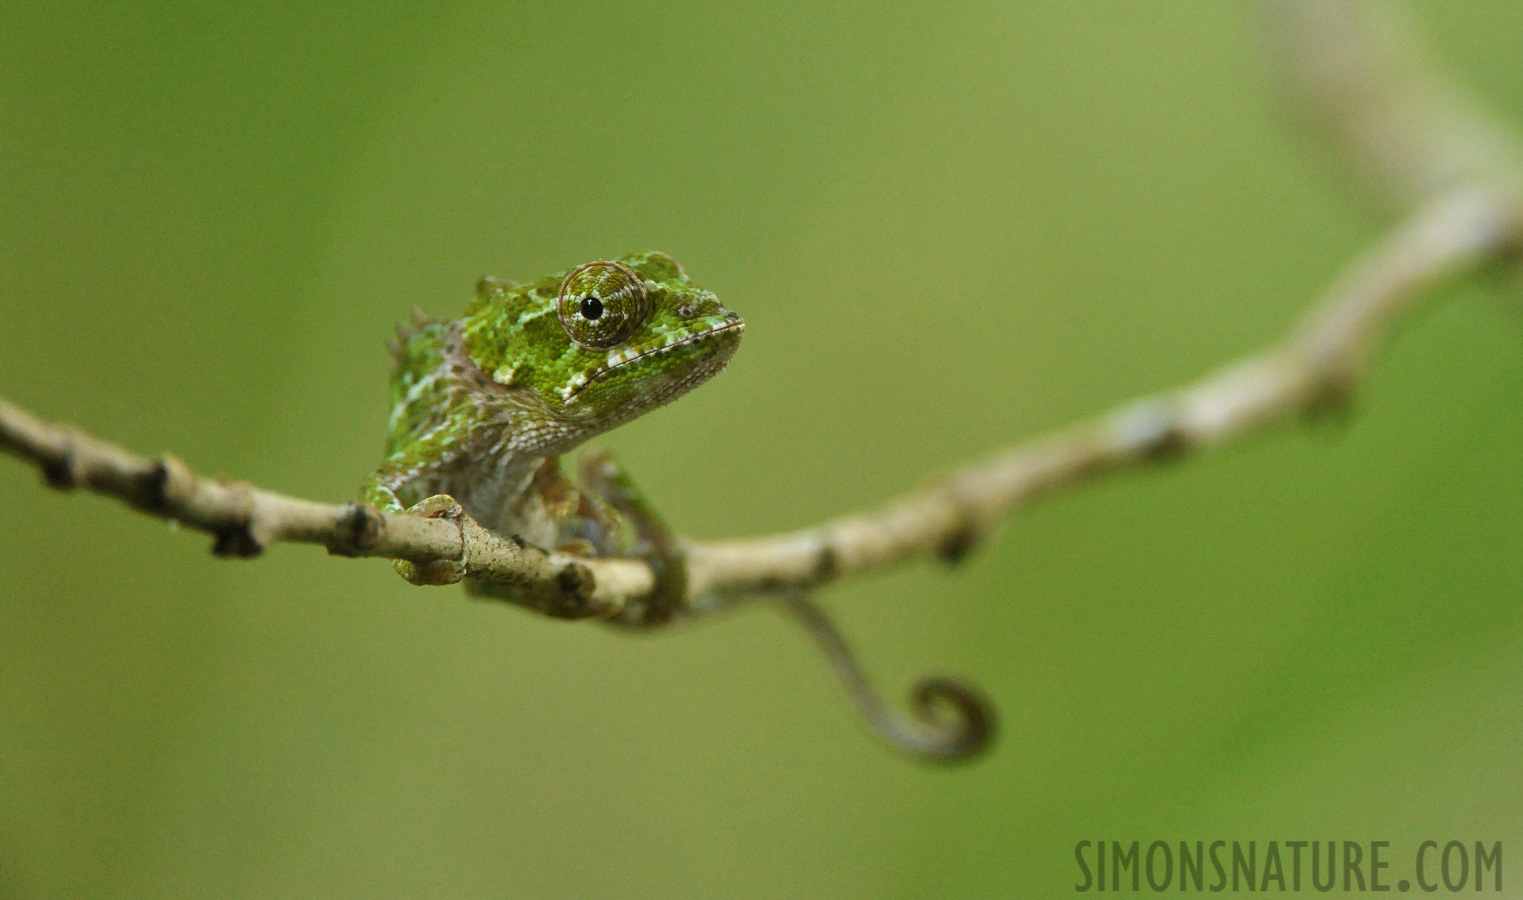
(1355, 70)
(1428, 143)
(1366, 86)
(246, 519)
(1317, 365)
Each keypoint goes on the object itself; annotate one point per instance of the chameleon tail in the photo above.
(930, 733)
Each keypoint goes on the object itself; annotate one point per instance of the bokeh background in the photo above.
(948, 226)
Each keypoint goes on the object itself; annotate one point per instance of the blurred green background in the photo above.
(948, 226)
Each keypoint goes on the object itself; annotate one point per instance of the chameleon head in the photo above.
(605, 342)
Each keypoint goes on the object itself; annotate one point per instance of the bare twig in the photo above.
(1364, 83)
(1317, 365)
(246, 519)
(1430, 146)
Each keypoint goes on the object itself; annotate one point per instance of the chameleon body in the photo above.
(483, 406)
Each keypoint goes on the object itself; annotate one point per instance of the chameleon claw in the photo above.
(439, 506)
(952, 720)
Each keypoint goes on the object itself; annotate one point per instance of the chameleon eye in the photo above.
(601, 304)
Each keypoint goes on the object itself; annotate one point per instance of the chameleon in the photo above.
(484, 406)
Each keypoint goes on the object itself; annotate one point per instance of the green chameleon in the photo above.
(483, 406)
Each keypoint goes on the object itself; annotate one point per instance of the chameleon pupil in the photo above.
(591, 308)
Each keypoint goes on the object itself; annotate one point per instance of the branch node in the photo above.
(576, 584)
(1150, 430)
(826, 563)
(360, 529)
(956, 544)
(163, 486)
(236, 536)
(1331, 398)
(237, 540)
(969, 530)
(64, 472)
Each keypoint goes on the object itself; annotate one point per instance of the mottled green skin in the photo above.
(482, 406)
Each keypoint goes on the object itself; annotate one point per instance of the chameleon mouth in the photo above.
(617, 361)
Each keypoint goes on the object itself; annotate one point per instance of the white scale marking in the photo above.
(412, 395)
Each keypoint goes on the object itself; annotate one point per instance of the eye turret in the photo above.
(601, 304)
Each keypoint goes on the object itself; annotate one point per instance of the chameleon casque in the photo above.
(483, 406)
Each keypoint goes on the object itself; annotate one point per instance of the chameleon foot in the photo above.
(654, 540)
(443, 571)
